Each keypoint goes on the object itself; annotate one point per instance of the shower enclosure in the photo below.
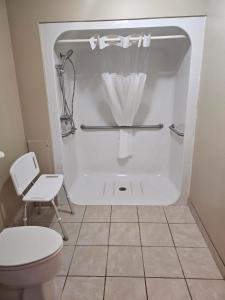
(162, 131)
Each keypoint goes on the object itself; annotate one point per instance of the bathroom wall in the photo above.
(208, 177)
(24, 16)
(12, 139)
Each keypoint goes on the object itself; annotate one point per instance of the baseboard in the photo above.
(210, 244)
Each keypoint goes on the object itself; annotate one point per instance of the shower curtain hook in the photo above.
(146, 40)
(93, 41)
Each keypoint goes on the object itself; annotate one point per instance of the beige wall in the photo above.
(208, 178)
(12, 139)
(24, 16)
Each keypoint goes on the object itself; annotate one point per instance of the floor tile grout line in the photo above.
(150, 222)
(135, 246)
(75, 222)
(147, 277)
(107, 256)
(142, 255)
(63, 287)
(178, 256)
(67, 275)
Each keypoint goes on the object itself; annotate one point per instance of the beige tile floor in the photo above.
(138, 253)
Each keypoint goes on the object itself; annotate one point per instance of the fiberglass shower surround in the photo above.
(135, 107)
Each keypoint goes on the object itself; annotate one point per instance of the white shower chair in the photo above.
(23, 172)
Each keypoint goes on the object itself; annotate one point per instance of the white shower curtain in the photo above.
(124, 88)
(124, 94)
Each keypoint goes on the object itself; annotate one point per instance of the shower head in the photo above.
(66, 56)
(69, 53)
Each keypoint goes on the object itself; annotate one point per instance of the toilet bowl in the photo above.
(30, 258)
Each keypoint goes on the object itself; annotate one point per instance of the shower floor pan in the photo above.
(123, 190)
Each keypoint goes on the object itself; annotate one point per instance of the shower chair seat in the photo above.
(45, 188)
(23, 172)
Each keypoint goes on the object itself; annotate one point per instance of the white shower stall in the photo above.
(157, 170)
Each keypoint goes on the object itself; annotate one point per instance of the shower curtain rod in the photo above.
(155, 37)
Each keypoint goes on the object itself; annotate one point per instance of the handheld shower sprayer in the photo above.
(66, 118)
(64, 57)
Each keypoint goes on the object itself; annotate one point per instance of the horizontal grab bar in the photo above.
(175, 130)
(87, 127)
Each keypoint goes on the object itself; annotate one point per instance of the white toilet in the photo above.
(30, 258)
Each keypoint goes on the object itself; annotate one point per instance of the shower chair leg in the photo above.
(68, 199)
(59, 219)
(25, 214)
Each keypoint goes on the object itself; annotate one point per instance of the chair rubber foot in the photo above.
(65, 238)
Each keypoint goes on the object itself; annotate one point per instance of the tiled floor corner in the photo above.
(138, 253)
(178, 214)
(198, 263)
(187, 235)
(207, 289)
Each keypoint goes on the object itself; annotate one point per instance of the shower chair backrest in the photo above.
(23, 171)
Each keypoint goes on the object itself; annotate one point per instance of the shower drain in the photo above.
(122, 189)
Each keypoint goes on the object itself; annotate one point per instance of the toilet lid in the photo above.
(27, 244)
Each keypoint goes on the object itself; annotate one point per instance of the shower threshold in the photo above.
(106, 189)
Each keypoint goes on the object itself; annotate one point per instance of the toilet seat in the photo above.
(27, 244)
